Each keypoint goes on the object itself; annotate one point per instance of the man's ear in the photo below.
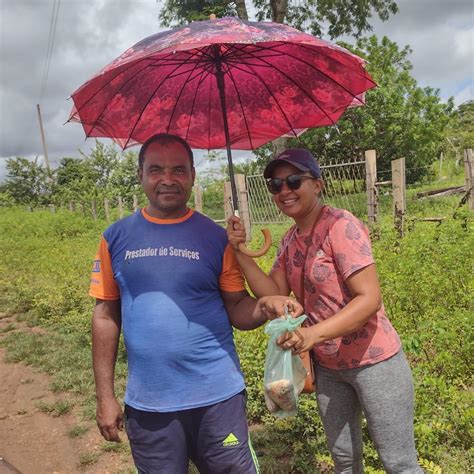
(193, 174)
(140, 174)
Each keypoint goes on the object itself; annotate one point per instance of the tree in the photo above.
(343, 17)
(27, 182)
(400, 119)
(124, 180)
(460, 132)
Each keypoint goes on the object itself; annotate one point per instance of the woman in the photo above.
(325, 259)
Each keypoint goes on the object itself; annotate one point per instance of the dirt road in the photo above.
(33, 442)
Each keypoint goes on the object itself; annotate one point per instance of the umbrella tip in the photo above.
(212, 16)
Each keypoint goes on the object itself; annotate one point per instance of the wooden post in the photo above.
(370, 180)
(83, 209)
(71, 206)
(43, 140)
(94, 209)
(399, 193)
(243, 198)
(135, 202)
(106, 209)
(120, 207)
(228, 209)
(469, 177)
(52, 208)
(198, 198)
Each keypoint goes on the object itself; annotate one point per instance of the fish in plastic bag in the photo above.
(284, 372)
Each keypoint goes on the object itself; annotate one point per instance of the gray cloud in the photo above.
(91, 33)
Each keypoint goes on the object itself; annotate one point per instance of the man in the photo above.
(167, 275)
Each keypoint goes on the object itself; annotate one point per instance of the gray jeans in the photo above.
(384, 393)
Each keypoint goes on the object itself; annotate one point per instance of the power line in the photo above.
(49, 51)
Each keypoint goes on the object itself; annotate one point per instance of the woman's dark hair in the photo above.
(164, 139)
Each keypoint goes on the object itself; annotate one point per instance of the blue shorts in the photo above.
(214, 437)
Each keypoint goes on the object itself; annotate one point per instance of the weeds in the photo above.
(77, 431)
(55, 409)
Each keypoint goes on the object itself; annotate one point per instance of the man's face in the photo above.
(167, 179)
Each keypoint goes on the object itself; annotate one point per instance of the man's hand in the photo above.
(298, 341)
(109, 416)
(272, 307)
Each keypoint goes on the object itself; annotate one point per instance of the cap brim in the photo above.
(267, 172)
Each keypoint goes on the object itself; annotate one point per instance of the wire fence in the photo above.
(344, 188)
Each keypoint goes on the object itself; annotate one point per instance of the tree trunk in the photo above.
(241, 9)
(279, 10)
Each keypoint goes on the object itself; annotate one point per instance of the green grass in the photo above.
(426, 283)
(77, 431)
(88, 459)
(56, 409)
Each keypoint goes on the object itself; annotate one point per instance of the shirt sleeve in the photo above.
(350, 245)
(103, 285)
(231, 278)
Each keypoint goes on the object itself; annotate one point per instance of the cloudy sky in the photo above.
(90, 33)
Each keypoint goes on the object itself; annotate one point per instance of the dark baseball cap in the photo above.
(298, 157)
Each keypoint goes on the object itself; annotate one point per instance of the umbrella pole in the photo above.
(221, 88)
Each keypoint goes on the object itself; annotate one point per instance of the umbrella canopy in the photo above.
(264, 79)
(222, 83)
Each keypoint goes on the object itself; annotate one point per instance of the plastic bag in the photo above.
(284, 372)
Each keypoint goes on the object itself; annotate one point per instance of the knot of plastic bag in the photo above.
(277, 327)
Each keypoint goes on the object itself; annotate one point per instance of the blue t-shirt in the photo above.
(177, 332)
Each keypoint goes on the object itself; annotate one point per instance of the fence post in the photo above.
(106, 209)
(399, 193)
(52, 208)
(94, 209)
(228, 210)
(198, 198)
(135, 203)
(244, 210)
(370, 180)
(469, 177)
(120, 207)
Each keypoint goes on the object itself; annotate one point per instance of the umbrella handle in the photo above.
(258, 253)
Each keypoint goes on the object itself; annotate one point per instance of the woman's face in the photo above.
(299, 202)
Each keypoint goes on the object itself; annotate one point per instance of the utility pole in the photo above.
(46, 159)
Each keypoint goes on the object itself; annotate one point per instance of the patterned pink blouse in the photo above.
(340, 246)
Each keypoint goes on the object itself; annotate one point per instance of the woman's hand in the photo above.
(235, 232)
(273, 307)
(298, 341)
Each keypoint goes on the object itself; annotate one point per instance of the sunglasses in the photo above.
(294, 181)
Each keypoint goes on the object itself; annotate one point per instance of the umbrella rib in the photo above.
(322, 73)
(144, 108)
(323, 53)
(203, 71)
(304, 91)
(311, 48)
(307, 63)
(134, 63)
(186, 82)
(241, 106)
(270, 93)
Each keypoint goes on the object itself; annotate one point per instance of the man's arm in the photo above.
(106, 323)
(247, 313)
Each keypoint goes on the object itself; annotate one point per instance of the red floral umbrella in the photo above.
(223, 83)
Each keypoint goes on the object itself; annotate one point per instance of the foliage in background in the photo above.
(400, 119)
(426, 280)
(334, 17)
(104, 173)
